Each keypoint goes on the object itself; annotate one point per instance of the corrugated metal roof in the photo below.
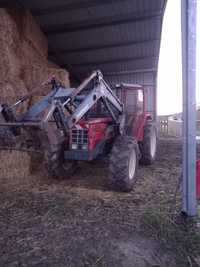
(111, 35)
(145, 78)
(145, 49)
(126, 64)
(119, 37)
(109, 9)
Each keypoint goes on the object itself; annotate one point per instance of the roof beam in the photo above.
(118, 60)
(72, 6)
(11, 4)
(106, 46)
(127, 72)
(122, 73)
(102, 22)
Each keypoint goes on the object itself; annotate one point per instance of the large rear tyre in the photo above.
(123, 164)
(148, 146)
(56, 166)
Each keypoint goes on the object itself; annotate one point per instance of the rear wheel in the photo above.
(56, 166)
(123, 163)
(148, 146)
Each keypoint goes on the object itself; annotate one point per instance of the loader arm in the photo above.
(100, 91)
(52, 109)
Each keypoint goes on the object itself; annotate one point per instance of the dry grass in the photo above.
(14, 165)
(174, 232)
(79, 222)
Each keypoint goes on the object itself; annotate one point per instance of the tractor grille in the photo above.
(79, 138)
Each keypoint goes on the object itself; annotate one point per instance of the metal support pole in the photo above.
(188, 14)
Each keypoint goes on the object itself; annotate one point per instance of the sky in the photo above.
(169, 92)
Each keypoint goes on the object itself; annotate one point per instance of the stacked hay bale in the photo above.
(23, 64)
(11, 85)
(24, 52)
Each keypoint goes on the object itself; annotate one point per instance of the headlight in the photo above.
(74, 146)
(85, 146)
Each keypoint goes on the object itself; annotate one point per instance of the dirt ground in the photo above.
(80, 223)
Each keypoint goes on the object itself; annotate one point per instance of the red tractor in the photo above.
(82, 124)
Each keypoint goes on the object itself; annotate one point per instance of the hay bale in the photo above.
(9, 44)
(33, 34)
(30, 56)
(14, 164)
(17, 25)
(7, 94)
(23, 66)
(10, 65)
(61, 75)
(34, 76)
(9, 33)
(12, 90)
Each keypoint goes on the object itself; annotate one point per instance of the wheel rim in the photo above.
(132, 164)
(153, 144)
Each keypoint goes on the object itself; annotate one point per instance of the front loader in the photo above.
(82, 124)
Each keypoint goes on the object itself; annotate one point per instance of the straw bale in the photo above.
(61, 75)
(30, 56)
(10, 65)
(23, 66)
(34, 76)
(33, 33)
(12, 90)
(26, 28)
(9, 33)
(14, 165)
(7, 92)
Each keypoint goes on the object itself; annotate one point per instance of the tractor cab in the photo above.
(133, 98)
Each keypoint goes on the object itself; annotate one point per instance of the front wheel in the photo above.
(56, 166)
(124, 163)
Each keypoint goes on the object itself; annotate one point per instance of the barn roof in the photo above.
(119, 37)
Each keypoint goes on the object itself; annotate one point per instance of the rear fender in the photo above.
(138, 126)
